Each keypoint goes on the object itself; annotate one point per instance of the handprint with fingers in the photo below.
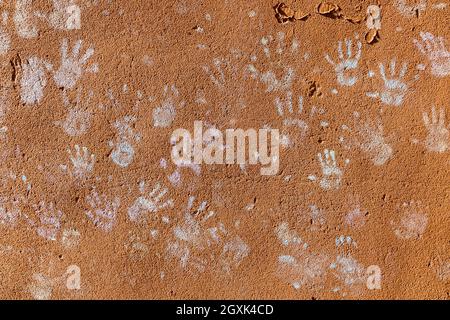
(346, 63)
(33, 81)
(438, 139)
(49, 220)
(395, 88)
(78, 118)
(369, 137)
(331, 173)
(434, 49)
(278, 51)
(102, 211)
(82, 162)
(149, 203)
(72, 65)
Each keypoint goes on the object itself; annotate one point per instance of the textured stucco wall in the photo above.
(92, 205)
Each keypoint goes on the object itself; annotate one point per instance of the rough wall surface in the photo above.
(92, 205)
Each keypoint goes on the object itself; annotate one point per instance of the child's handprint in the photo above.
(82, 162)
(103, 211)
(331, 173)
(438, 139)
(395, 88)
(346, 63)
(78, 118)
(149, 203)
(165, 113)
(49, 220)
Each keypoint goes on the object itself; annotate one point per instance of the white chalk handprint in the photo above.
(195, 241)
(78, 118)
(285, 109)
(413, 221)
(23, 20)
(72, 65)
(165, 113)
(123, 153)
(33, 81)
(277, 53)
(331, 173)
(152, 202)
(347, 63)
(438, 139)
(82, 162)
(123, 150)
(66, 15)
(297, 264)
(49, 220)
(216, 72)
(434, 49)
(103, 210)
(368, 136)
(395, 88)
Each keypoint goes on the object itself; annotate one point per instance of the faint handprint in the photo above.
(277, 55)
(149, 203)
(413, 221)
(49, 220)
(102, 211)
(82, 162)
(78, 118)
(33, 81)
(123, 149)
(291, 118)
(438, 139)
(434, 49)
(369, 137)
(165, 113)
